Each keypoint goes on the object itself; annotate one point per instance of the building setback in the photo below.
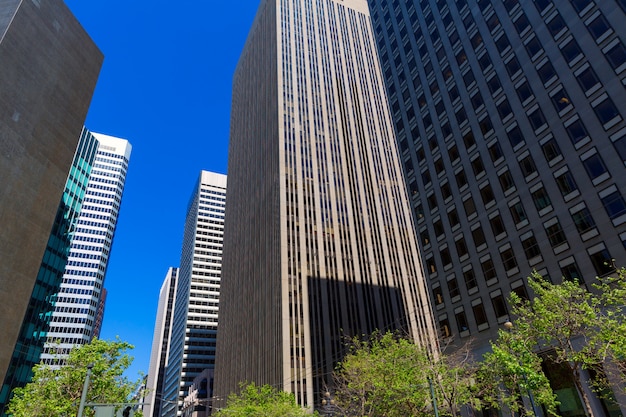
(78, 305)
(160, 344)
(513, 143)
(36, 323)
(195, 311)
(49, 71)
(319, 242)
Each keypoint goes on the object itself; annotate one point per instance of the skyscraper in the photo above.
(49, 71)
(160, 344)
(195, 315)
(36, 323)
(513, 142)
(319, 242)
(80, 296)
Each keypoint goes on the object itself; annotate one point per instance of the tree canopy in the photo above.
(261, 401)
(56, 391)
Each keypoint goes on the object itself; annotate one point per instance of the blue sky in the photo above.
(165, 86)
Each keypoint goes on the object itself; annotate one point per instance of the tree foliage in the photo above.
(391, 376)
(581, 330)
(261, 401)
(56, 391)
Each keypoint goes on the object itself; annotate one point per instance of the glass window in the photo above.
(587, 79)
(426, 178)
(620, 147)
(489, 270)
(499, 306)
(614, 205)
(497, 226)
(468, 78)
(479, 314)
(551, 150)
(469, 140)
(453, 218)
(528, 166)
(461, 321)
(602, 262)
(533, 47)
(432, 202)
(444, 326)
(486, 193)
(594, 165)
(485, 125)
(470, 279)
(556, 25)
(477, 166)
(556, 236)
(461, 116)
(521, 23)
(502, 43)
(469, 206)
(606, 111)
(461, 247)
(508, 259)
(495, 151)
(438, 227)
(439, 166)
(484, 61)
(524, 92)
(546, 72)
(504, 109)
(541, 199)
(515, 136)
(431, 266)
(461, 179)
(478, 236)
(576, 131)
(477, 100)
(446, 191)
(494, 84)
(506, 180)
(598, 27)
(510, 4)
(521, 292)
(571, 51)
(453, 92)
(566, 183)
(572, 273)
(616, 55)
(518, 213)
(561, 100)
(537, 119)
(424, 237)
(453, 288)
(580, 5)
(453, 153)
(542, 5)
(583, 220)
(446, 258)
(531, 247)
(438, 295)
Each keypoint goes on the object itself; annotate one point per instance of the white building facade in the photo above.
(195, 314)
(74, 320)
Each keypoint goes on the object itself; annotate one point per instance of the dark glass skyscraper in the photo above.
(36, 322)
(510, 122)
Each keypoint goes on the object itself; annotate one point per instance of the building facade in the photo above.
(511, 129)
(195, 311)
(160, 344)
(78, 304)
(36, 323)
(319, 242)
(46, 57)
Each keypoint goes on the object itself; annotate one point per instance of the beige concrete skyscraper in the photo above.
(319, 242)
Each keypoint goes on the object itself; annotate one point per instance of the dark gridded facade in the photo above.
(319, 243)
(511, 126)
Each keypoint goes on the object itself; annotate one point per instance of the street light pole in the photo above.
(432, 394)
(83, 397)
(509, 326)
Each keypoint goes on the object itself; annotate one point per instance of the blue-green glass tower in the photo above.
(36, 322)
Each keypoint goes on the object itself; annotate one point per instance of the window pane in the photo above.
(533, 47)
(602, 262)
(546, 72)
(489, 270)
(594, 165)
(616, 55)
(551, 150)
(541, 199)
(518, 213)
(598, 27)
(499, 306)
(479, 314)
(556, 25)
(571, 51)
(537, 119)
(556, 235)
(572, 273)
(453, 288)
(470, 279)
(531, 247)
(528, 166)
(515, 136)
(614, 205)
(508, 259)
(583, 220)
(566, 183)
(587, 79)
(606, 111)
(478, 236)
(561, 100)
(524, 92)
(576, 131)
(461, 321)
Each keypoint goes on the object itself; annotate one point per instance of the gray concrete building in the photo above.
(48, 71)
(510, 123)
(319, 243)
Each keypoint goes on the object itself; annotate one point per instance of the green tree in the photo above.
(391, 376)
(56, 392)
(261, 401)
(582, 330)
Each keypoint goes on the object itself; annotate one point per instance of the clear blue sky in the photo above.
(165, 86)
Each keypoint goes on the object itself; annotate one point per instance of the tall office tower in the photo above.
(195, 315)
(80, 296)
(36, 322)
(160, 344)
(319, 242)
(49, 68)
(512, 141)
